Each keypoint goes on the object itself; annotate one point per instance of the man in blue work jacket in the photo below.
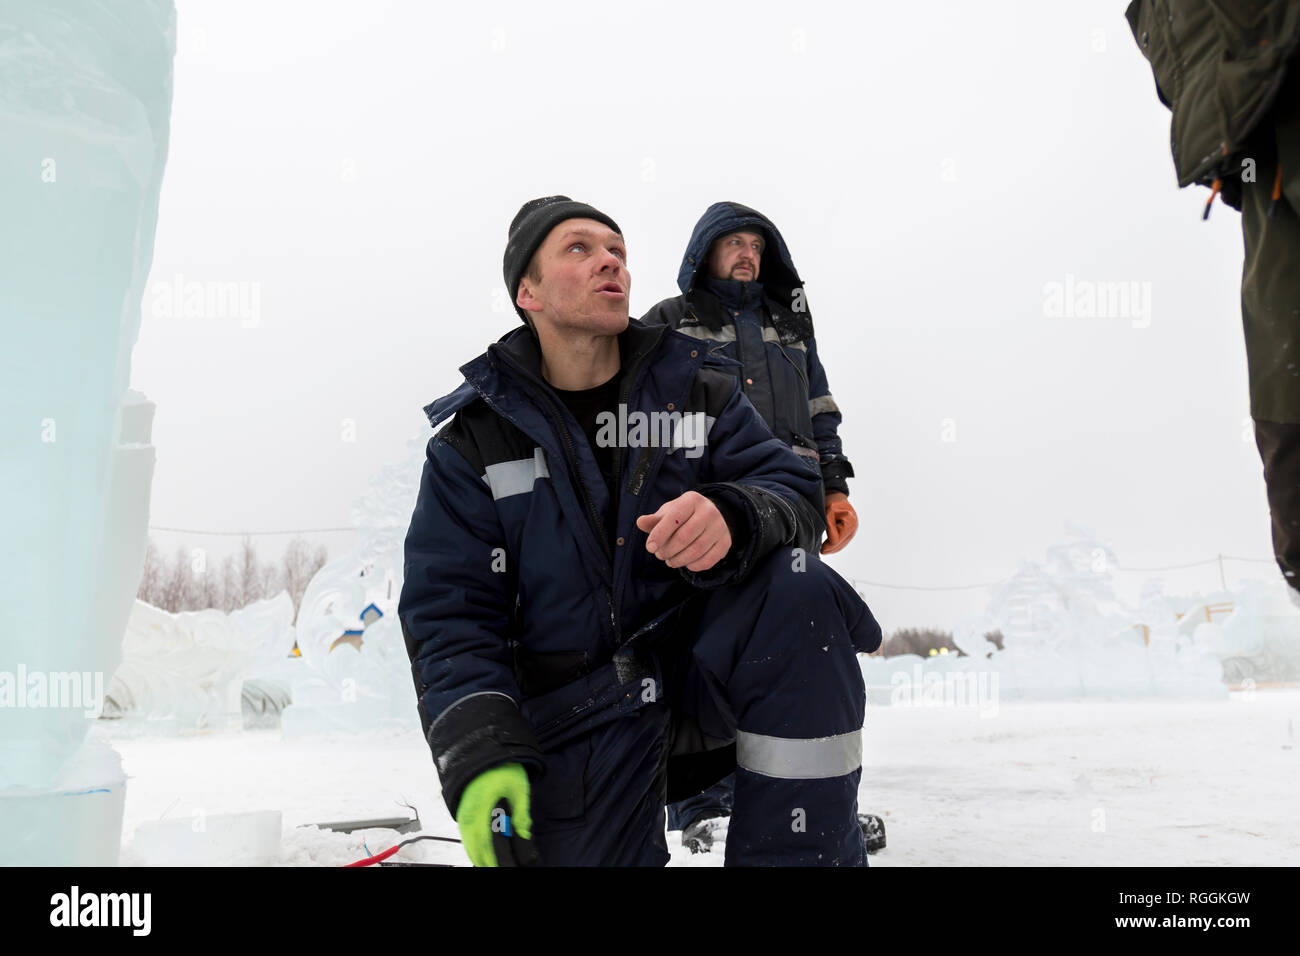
(605, 602)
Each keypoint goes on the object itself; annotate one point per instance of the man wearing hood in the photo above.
(601, 616)
(742, 296)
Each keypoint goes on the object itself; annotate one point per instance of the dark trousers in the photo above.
(1279, 447)
(762, 675)
(1270, 307)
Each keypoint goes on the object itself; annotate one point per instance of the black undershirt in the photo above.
(585, 405)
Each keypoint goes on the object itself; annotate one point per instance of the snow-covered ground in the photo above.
(1102, 733)
(1092, 782)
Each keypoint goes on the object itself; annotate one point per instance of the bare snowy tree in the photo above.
(151, 575)
(298, 566)
(179, 585)
(924, 641)
(209, 589)
(268, 580)
(229, 583)
(175, 584)
(916, 640)
(198, 570)
(250, 581)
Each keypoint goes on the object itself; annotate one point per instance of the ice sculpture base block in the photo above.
(78, 822)
(226, 839)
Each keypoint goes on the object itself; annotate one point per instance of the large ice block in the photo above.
(85, 100)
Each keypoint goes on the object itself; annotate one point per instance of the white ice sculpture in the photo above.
(1064, 634)
(185, 672)
(1257, 641)
(343, 686)
(85, 101)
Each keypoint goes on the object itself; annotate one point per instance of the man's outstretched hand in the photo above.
(688, 532)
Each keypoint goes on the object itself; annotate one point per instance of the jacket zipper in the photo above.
(625, 392)
(571, 453)
(649, 458)
(794, 365)
(609, 596)
(598, 525)
(620, 454)
(593, 517)
(572, 457)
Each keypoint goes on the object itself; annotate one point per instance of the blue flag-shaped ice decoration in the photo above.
(85, 101)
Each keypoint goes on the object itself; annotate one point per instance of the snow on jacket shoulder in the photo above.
(513, 585)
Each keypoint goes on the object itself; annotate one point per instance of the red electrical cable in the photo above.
(378, 857)
(370, 860)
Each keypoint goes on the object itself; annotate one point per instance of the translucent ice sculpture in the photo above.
(356, 672)
(85, 101)
(192, 670)
(1065, 634)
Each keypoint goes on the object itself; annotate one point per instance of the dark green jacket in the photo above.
(1218, 66)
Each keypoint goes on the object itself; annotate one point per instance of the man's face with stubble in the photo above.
(578, 279)
(736, 255)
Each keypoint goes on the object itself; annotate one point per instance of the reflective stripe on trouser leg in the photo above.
(793, 758)
(799, 783)
(775, 660)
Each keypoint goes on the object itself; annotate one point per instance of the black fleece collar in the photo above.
(523, 349)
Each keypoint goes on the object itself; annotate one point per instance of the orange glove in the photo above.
(841, 522)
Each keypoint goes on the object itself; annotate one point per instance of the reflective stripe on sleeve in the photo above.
(796, 758)
(824, 403)
(772, 335)
(508, 478)
(691, 431)
(700, 331)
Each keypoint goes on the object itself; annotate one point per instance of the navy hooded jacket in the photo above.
(767, 328)
(513, 586)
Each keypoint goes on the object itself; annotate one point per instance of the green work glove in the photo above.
(490, 836)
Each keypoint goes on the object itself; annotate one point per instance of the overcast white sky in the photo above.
(932, 168)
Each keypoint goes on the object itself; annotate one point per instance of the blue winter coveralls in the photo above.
(540, 635)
